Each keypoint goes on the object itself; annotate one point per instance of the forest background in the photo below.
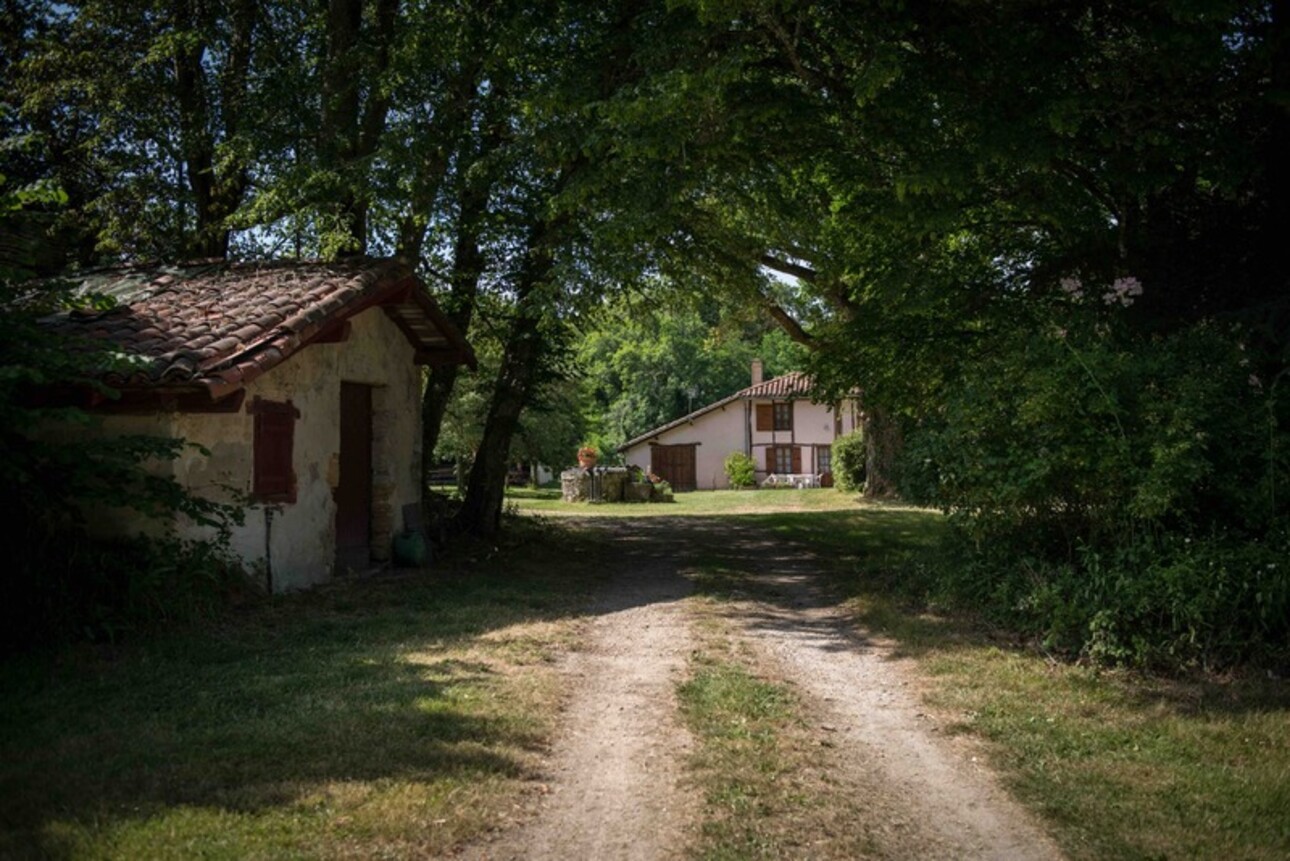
(1045, 240)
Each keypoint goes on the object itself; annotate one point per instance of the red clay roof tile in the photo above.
(220, 325)
(794, 384)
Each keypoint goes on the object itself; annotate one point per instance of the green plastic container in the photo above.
(410, 549)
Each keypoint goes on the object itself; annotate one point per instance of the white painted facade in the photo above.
(295, 543)
(731, 427)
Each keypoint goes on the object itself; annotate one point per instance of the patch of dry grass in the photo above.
(384, 718)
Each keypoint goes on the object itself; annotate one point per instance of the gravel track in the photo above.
(617, 788)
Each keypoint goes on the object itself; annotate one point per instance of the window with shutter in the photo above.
(273, 479)
(765, 417)
(783, 459)
(784, 416)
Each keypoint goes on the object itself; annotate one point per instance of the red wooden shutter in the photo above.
(765, 417)
(797, 459)
(273, 478)
(770, 458)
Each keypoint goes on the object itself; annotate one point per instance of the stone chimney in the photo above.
(756, 371)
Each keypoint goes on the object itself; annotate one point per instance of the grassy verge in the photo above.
(380, 718)
(1122, 765)
(763, 777)
(547, 502)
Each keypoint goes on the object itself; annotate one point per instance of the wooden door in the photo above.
(824, 464)
(675, 465)
(354, 490)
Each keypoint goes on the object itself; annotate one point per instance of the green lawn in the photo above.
(400, 717)
(387, 717)
(1122, 765)
(705, 502)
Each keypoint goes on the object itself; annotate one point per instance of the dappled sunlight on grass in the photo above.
(702, 502)
(373, 716)
(1123, 765)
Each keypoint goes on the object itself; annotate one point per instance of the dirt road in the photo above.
(617, 784)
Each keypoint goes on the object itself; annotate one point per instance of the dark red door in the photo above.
(675, 464)
(354, 490)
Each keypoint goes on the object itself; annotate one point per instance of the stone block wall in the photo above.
(606, 484)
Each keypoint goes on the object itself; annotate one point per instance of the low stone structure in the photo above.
(607, 484)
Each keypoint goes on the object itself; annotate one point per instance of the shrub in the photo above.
(109, 590)
(62, 584)
(1116, 496)
(849, 462)
(741, 470)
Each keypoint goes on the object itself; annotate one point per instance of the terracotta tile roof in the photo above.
(790, 386)
(216, 326)
(794, 384)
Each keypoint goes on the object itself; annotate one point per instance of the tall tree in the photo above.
(148, 115)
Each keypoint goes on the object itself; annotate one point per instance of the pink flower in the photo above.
(1123, 291)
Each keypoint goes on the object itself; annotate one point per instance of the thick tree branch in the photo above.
(786, 267)
(832, 289)
(788, 323)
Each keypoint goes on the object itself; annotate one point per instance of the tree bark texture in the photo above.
(481, 511)
(216, 195)
(350, 128)
(883, 442)
(468, 268)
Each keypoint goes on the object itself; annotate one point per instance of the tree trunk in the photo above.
(481, 511)
(883, 442)
(468, 267)
(216, 195)
(350, 129)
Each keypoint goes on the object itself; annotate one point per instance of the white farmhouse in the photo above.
(778, 422)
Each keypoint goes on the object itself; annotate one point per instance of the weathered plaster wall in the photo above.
(298, 540)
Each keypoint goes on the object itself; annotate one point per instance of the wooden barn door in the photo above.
(675, 464)
(354, 490)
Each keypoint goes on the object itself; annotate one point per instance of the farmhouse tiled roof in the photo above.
(215, 326)
(790, 386)
(794, 384)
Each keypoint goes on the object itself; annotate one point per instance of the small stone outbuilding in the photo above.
(302, 381)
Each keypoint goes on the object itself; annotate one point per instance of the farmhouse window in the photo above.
(784, 416)
(783, 459)
(823, 459)
(273, 478)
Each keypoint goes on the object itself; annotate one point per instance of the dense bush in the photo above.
(741, 470)
(61, 583)
(109, 590)
(849, 462)
(1119, 496)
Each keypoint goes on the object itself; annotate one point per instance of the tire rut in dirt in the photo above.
(616, 767)
(925, 795)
